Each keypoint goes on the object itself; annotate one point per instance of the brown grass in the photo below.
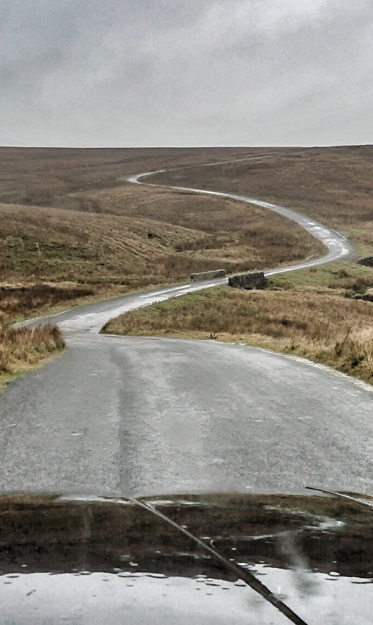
(117, 237)
(111, 253)
(43, 176)
(229, 230)
(111, 244)
(324, 327)
(53, 244)
(333, 185)
(343, 278)
(26, 300)
(23, 348)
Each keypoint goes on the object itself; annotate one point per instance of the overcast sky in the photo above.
(186, 72)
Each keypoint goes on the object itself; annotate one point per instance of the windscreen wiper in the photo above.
(361, 502)
(243, 574)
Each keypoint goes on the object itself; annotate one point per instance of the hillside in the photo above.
(70, 221)
(73, 230)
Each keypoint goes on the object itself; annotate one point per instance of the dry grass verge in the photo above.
(23, 348)
(344, 278)
(322, 326)
(21, 301)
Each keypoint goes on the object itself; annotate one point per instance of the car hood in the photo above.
(99, 560)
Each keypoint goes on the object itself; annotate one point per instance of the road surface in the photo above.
(137, 416)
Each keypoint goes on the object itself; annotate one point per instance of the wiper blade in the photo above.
(241, 573)
(361, 502)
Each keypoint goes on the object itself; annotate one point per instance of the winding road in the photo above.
(138, 416)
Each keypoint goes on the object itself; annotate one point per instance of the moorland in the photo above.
(73, 230)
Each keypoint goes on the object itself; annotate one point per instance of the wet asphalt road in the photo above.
(151, 416)
(138, 416)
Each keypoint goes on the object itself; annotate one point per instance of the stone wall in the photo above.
(252, 280)
(208, 275)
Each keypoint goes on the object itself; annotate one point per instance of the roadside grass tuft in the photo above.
(23, 348)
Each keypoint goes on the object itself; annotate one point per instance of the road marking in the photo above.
(156, 293)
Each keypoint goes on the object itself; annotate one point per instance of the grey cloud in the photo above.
(175, 72)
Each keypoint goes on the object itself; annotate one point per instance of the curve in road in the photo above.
(136, 416)
(93, 317)
(339, 248)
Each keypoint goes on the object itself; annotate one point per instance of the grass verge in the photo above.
(320, 322)
(22, 349)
